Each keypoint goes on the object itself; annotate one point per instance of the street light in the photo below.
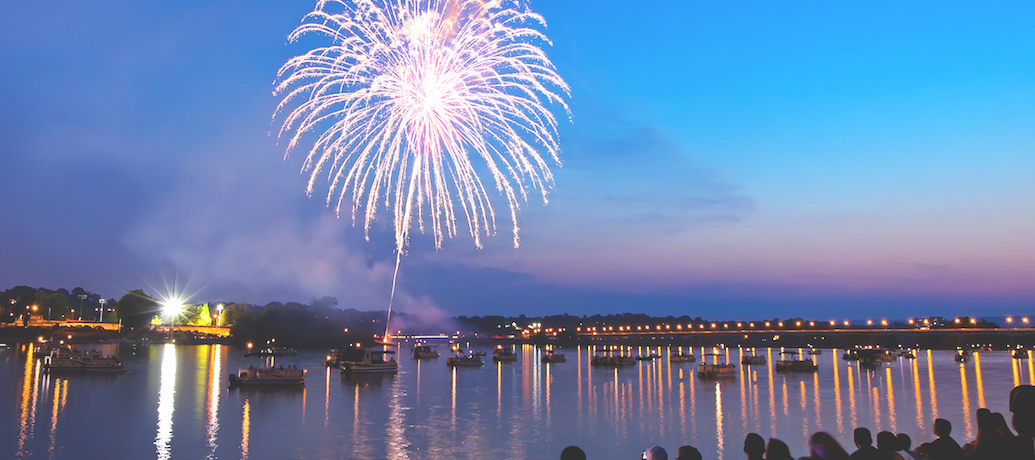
(100, 316)
(219, 321)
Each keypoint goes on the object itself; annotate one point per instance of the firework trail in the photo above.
(407, 95)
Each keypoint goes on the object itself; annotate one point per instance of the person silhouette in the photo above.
(573, 453)
(944, 448)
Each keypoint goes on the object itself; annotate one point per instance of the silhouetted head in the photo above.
(942, 428)
(573, 453)
(655, 453)
(688, 453)
(1022, 404)
(887, 442)
(777, 450)
(862, 437)
(754, 445)
(1001, 428)
(904, 443)
(984, 419)
(824, 446)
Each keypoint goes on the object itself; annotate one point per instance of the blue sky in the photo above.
(748, 158)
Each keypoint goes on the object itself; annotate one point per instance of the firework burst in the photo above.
(412, 99)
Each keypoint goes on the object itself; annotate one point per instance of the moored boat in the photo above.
(791, 364)
(253, 376)
(341, 355)
(815, 351)
(549, 356)
(63, 359)
(424, 351)
(374, 361)
(754, 359)
(601, 359)
(461, 359)
(717, 370)
(1020, 353)
(962, 356)
(679, 357)
(501, 354)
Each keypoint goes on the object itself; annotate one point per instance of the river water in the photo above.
(173, 403)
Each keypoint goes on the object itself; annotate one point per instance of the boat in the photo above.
(65, 359)
(341, 355)
(264, 376)
(272, 351)
(679, 357)
(1020, 353)
(501, 354)
(962, 356)
(550, 357)
(601, 359)
(718, 370)
(815, 351)
(374, 361)
(478, 353)
(850, 355)
(649, 357)
(424, 351)
(461, 359)
(794, 365)
(868, 359)
(753, 359)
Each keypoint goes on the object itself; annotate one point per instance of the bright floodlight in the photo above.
(172, 307)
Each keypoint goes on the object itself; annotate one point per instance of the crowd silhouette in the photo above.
(994, 441)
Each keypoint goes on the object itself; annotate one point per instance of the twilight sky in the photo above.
(724, 160)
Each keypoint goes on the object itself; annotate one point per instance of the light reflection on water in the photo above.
(524, 409)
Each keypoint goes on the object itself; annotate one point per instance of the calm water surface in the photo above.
(173, 403)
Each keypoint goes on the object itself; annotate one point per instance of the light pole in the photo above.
(219, 310)
(82, 297)
(100, 316)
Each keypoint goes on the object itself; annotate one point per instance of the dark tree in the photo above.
(136, 309)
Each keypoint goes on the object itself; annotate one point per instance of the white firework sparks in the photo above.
(412, 98)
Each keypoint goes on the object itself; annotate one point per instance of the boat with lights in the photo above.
(501, 354)
(461, 359)
(65, 359)
(792, 364)
(719, 369)
(372, 361)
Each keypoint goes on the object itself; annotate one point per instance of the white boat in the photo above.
(550, 357)
(268, 376)
(425, 351)
(720, 369)
(374, 361)
(503, 354)
(64, 359)
(461, 359)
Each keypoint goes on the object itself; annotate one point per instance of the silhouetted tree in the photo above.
(136, 309)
